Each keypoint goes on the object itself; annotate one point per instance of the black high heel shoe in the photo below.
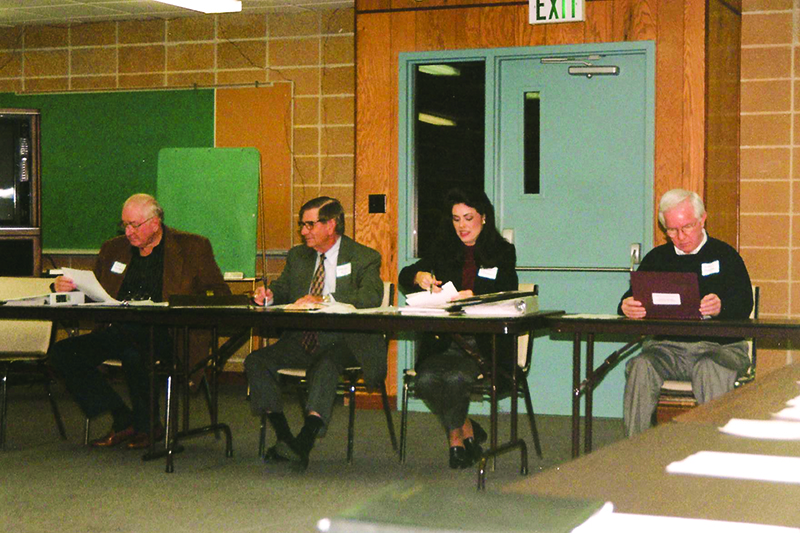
(472, 445)
(459, 458)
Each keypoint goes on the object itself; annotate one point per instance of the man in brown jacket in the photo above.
(151, 261)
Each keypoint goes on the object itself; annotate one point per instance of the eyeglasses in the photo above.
(135, 225)
(308, 224)
(683, 229)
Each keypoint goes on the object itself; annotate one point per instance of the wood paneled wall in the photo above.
(684, 131)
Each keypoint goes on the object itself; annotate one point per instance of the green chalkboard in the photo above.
(99, 148)
(214, 192)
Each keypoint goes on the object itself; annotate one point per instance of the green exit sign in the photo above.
(550, 11)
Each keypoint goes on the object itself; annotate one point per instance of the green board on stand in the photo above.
(214, 192)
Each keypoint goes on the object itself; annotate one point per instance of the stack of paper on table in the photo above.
(739, 466)
(635, 523)
(426, 302)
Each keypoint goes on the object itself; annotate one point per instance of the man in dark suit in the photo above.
(151, 261)
(329, 266)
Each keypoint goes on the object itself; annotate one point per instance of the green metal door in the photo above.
(573, 189)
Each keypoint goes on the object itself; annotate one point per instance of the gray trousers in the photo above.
(711, 367)
(323, 367)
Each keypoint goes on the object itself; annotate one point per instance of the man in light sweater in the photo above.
(711, 364)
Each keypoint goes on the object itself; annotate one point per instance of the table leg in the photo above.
(588, 392)
(576, 394)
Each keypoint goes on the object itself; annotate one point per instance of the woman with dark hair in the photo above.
(472, 254)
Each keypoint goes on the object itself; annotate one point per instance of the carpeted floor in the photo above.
(47, 484)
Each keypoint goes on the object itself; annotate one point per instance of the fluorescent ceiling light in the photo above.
(207, 6)
(440, 70)
(436, 120)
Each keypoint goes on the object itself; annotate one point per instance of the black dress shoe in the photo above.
(301, 452)
(459, 458)
(479, 434)
(279, 453)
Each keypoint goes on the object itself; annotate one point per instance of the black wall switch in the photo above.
(377, 203)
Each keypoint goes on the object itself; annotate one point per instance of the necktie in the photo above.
(310, 338)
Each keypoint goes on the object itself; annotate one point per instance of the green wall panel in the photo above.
(214, 192)
(99, 148)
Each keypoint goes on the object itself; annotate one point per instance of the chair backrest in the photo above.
(751, 343)
(24, 336)
(525, 342)
(388, 294)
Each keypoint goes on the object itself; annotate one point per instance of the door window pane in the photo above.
(532, 120)
(449, 139)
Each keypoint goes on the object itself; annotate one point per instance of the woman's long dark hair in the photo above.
(490, 243)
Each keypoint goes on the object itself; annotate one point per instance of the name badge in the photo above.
(343, 270)
(488, 273)
(710, 268)
(118, 268)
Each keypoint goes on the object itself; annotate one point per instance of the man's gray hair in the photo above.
(147, 201)
(672, 198)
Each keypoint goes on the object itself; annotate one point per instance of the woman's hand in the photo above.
(262, 296)
(427, 282)
(64, 284)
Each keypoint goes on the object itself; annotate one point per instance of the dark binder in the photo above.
(406, 508)
(674, 295)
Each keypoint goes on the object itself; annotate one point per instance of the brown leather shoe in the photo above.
(142, 440)
(112, 438)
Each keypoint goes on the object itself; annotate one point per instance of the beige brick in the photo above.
(10, 86)
(766, 163)
(46, 63)
(338, 50)
(139, 81)
(10, 64)
(11, 39)
(190, 29)
(764, 230)
(93, 61)
(242, 54)
(294, 24)
(93, 34)
(190, 57)
(243, 26)
(774, 298)
(306, 169)
(338, 20)
(338, 80)
(338, 170)
(338, 110)
(338, 140)
(44, 85)
(294, 52)
(306, 111)
(136, 59)
(772, 264)
(142, 31)
(766, 96)
(46, 36)
(242, 76)
(190, 79)
(306, 141)
(766, 130)
(772, 62)
(92, 83)
(764, 197)
(766, 28)
(765, 5)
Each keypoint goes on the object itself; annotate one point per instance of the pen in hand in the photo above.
(433, 282)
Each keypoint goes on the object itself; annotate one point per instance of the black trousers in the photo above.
(444, 381)
(77, 359)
